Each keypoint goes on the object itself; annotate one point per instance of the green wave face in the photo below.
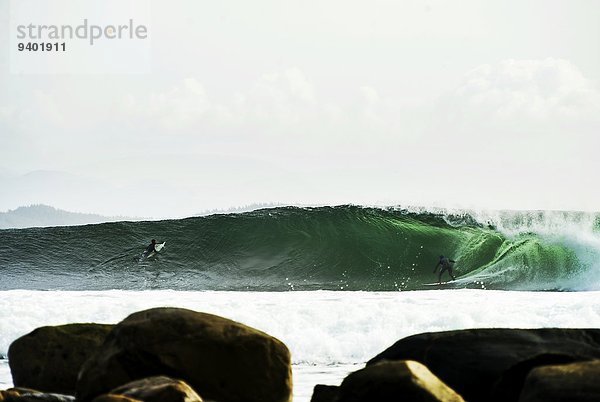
(334, 248)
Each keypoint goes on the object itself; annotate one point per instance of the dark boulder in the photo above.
(30, 395)
(325, 393)
(575, 382)
(472, 361)
(220, 359)
(48, 359)
(154, 389)
(509, 386)
(115, 398)
(391, 381)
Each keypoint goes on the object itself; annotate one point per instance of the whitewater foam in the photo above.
(322, 327)
(577, 231)
(328, 331)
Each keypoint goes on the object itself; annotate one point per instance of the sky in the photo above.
(470, 104)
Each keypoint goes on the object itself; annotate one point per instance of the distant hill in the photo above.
(44, 215)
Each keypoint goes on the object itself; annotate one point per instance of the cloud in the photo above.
(370, 94)
(299, 86)
(42, 108)
(512, 130)
(6, 112)
(532, 89)
(281, 131)
(371, 103)
(500, 112)
(178, 107)
(274, 97)
(276, 104)
(280, 98)
(47, 106)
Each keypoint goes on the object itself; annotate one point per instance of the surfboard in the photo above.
(437, 284)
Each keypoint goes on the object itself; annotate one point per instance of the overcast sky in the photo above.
(473, 104)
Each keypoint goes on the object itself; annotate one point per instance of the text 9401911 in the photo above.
(42, 47)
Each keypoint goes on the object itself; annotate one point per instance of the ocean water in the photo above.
(336, 284)
(325, 248)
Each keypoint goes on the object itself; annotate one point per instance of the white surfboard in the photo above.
(437, 284)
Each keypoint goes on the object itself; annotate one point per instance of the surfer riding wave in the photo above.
(446, 265)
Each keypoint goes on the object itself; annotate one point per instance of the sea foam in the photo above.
(320, 327)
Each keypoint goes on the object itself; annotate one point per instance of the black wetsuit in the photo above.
(150, 249)
(446, 264)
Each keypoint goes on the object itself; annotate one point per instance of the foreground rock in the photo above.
(472, 361)
(391, 381)
(220, 359)
(115, 398)
(30, 395)
(575, 382)
(49, 358)
(509, 386)
(325, 393)
(153, 389)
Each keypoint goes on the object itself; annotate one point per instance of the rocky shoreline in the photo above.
(172, 355)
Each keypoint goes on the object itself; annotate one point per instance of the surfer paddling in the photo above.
(151, 248)
(446, 265)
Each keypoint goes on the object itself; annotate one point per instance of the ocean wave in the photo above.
(330, 248)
